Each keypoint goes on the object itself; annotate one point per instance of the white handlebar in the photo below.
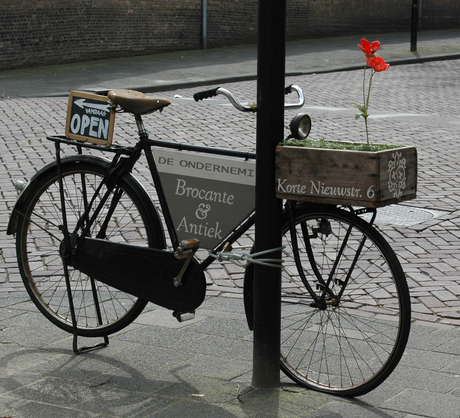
(252, 107)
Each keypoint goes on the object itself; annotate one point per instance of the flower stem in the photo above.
(367, 130)
(364, 86)
(366, 99)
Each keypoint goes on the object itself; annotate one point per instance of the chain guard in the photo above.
(144, 272)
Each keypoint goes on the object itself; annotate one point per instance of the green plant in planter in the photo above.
(322, 143)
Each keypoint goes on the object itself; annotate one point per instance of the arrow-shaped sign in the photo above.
(82, 104)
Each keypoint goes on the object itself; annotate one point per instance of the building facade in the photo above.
(40, 32)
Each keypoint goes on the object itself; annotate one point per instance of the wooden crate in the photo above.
(354, 178)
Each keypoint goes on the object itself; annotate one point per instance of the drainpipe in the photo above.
(204, 16)
(414, 24)
(419, 27)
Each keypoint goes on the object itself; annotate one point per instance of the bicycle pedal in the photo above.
(184, 316)
(187, 248)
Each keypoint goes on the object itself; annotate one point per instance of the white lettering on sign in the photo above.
(93, 123)
(318, 188)
(81, 103)
(207, 195)
(202, 211)
(217, 168)
(291, 188)
(89, 126)
(89, 118)
(200, 229)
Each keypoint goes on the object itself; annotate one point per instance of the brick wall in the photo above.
(37, 32)
(34, 32)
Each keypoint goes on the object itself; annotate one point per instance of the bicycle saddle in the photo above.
(136, 102)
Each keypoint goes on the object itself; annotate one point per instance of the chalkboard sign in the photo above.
(90, 118)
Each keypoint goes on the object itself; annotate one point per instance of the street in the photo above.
(412, 104)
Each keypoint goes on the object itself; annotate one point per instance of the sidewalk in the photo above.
(198, 369)
(158, 367)
(193, 68)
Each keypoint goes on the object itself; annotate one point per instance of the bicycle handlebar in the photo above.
(251, 107)
(205, 94)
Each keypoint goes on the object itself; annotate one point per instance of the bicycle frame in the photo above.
(320, 299)
(236, 231)
(123, 162)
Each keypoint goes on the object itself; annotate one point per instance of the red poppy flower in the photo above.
(368, 48)
(378, 64)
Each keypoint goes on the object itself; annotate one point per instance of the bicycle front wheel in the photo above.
(348, 340)
(99, 309)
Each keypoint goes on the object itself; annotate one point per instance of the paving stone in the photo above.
(137, 375)
(424, 403)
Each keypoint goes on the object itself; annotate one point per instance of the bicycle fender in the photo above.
(47, 171)
(248, 295)
(50, 170)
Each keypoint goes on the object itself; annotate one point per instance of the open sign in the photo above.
(90, 118)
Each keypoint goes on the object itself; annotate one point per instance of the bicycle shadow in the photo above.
(63, 384)
(55, 382)
(140, 382)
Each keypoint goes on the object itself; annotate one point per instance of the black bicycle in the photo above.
(92, 251)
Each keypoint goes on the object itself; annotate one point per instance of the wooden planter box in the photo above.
(352, 178)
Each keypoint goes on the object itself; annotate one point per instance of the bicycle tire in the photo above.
(39, 236)
(352, 343)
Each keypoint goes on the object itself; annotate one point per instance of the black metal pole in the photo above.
(270, 130)
(414, 24)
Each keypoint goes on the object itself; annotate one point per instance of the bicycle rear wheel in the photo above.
(351, 340)
(39, 237)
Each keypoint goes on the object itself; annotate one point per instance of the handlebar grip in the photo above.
(288, 89)
(206, 94)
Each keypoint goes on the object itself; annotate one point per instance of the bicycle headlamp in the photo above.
(300, 126)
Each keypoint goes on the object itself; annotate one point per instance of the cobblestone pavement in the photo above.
(414, 104)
